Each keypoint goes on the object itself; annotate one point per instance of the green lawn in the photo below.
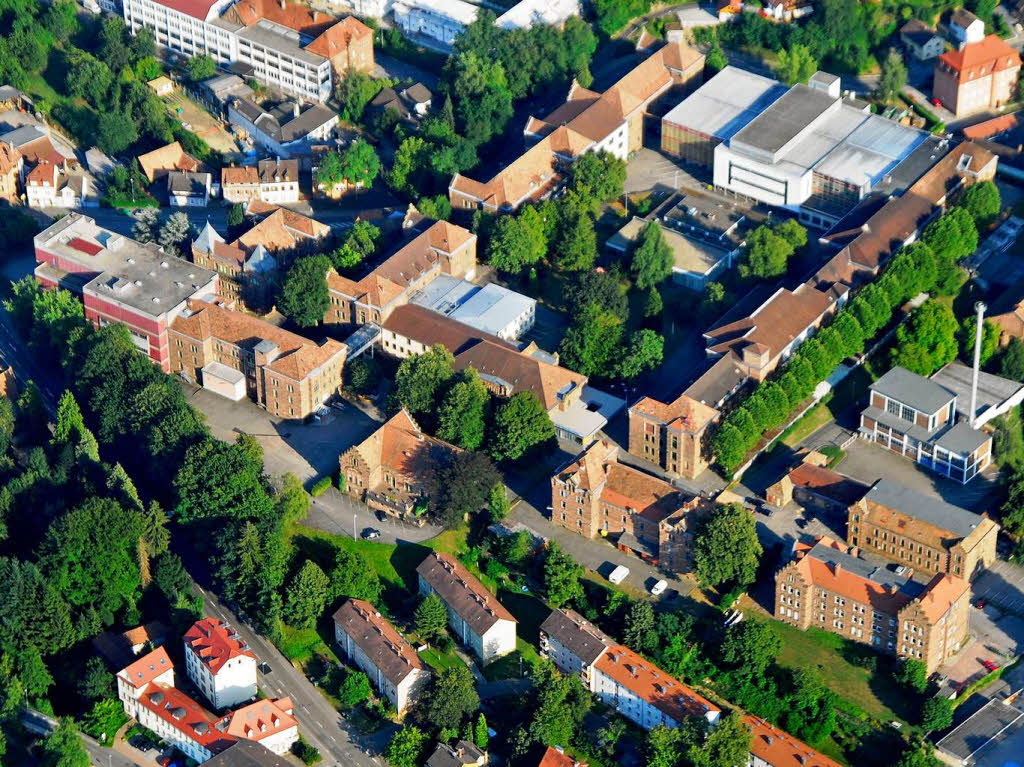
(301, 645)
(515, 664)
(439, 661)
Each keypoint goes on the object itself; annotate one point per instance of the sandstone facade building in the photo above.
(596, 495)
(921, 532)
(11, 164)
(826, 586)
(474, 615)
(388, 470)
(370, 642)
(671, 435)
(978, 77)
(236, 354)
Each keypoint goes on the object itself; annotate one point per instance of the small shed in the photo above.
(161, 86)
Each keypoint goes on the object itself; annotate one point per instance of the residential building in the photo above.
(474, 615)
(916, 418)
(921, 40)
(965, 28)
(593, 494)
(409, 104)
(370, 642)
(234, 354)
(577, 411)
(220, 90)
(978, 77)
(282, 232)
(121, 648)
(772, 747)
(922, 532)
(271, 181)
(287, 45)
(121, 281)
(816, 488)
(247, 275)
(555, 756)
(671, 435)
(188, 189)
(162, 161)
(620, 678)
(219, 663)
(440, 248)
(830, 588)
(285, 130)
(35, 146)
(11, 164)
(146, 689)
(389, 469)
(246, 753)
(462, 754)
(51, 185)
(587, 122)
(491, 308)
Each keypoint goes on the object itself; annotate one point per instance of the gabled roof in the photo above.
(507, 367)
(683, 413)
(147, 668)
(283, 229)
(378, 640)
(775, 747)
(827, 483)
(429, 327)
(185, 715)
(287, 14)
(942, 593)
(167, 158)
(260, 720)
(214, 644)
(10, 158)
(918, 392)
(575, 633)
(463, 593)
(400, 446)
(980, 59)
(336, 40)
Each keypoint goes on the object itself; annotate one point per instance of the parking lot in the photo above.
(1002, 585)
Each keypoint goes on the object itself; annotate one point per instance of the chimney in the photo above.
(980, 308)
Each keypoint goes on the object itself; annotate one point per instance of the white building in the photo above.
(478, 619)
(620, 678)
(188, 189)
(528, 13)
(491, 309)
(219, 663)
(440, 20)
(372, 643)
(965, 28)
(52, 186)
(455, 13)
(285, 131)
(271, 181)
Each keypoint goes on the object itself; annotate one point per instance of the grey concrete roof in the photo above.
(248, 753)
(993, 390)
(927, 508)
(781, 122)
(281, 40)
(576, 634)
(864, 569)
(978, 731)
(726, 103)
(962, 439)
(913, 390)
(490, 308)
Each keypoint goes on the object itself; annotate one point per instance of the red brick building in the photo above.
(672, 435)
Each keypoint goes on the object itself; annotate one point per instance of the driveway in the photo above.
(1002, 585)
(335, 512)
(306, 450)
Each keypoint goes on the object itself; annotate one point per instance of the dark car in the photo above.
(381, 516)
(265, 668)
(370, 534)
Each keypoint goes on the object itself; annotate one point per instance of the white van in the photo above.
(618, 575)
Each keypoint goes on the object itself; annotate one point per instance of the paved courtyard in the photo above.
(1002, 585)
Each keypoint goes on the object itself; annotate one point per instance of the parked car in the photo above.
(618, 575)
(381, 516)
(659, 588)
(980, 603)
(370, 534)
(989, 665)
(265, 668)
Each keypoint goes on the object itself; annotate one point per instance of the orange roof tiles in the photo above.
(683, 413)
(941, 594)
(780, 749)
(827, 482)
(167, 158)
(185, 715)
(215, 644)
(148, 667)
(283, 229)
(336, 40)
(981, 59)
(292, 15)
(10, 158)
(400, 446)
(989, 128)
(246, 174)
(554, 757)
(850, 585)
(647, 681)
(44, 174)
(261, 719)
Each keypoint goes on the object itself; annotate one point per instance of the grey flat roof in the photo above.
(994, 719)
(911, 389)
(781, 122)
(867, 570)
(489, 308)
(281, 40)
(726, 103)
(962, 439)
(993, 390)
(927, 508)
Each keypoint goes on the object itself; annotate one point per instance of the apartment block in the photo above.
(671, 435)
(772, 747)
(271, 181)
(370, 642)
(120, 280)
(828, 587)
(596, 495)
(440, 248)
(916, 417)
(287, 45)
(236, 354)
(474, 615)
(620, 678)
(922, 532)
(388, 470)
(219, 663)
(978, 77)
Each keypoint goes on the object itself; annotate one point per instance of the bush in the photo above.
(307, 753)
(321, 486)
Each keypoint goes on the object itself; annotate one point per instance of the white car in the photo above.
(618, 575)
(659, 588)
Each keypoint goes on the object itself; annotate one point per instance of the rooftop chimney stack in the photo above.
(980, 308)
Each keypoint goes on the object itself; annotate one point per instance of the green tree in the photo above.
(480, 735)
(292, 501)
(236, 216)
(360, 164)
(115, 132)
(517, 242)
(645, 351)
(912, 674)
(792, 232)
(355, 689)
(407, 747)
(521, 427)
(927, 340)
(561, 577)
(453, 698)
(201, 67)
(1011, 363)
(431, 618)
(729, 446)
(355, 91)
(353, 576)
(61, 20)
(604, 289)
(653, 305)
(592, 344)
(983, 202)
(104, 719)
(989, 339)
(483, 101)
(307, 596)
(766, 254)
(750, 647)
(461, 485)
(664, 746)
(304, 296)
(170, 577)
(560, 705)
(174, 232)
(462, 413)
(936, 713)
(894, 76)
(96, 682)
(420, 380)
(218, 479)
(726, 549)
(715, 59)
(727, 745)
(363, 375)
(918, 756)
(497, 503)
(63, 747)
(638, 630)
(652, 259)
(795, 65)
(576, 245)
(598, 175)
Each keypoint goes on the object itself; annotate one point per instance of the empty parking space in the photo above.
(1003, 586)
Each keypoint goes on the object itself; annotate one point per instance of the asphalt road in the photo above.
(319, 722)
(100, 756)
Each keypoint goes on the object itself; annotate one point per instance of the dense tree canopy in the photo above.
(304, 297)
(726, 549)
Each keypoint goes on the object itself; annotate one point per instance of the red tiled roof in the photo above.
(780, 749)
(941, 594)
(197, 9)
(554, 757)
(148, 667)
(215, 644)
(981, 59)
(261, 719)
(185, 715)
(989, 128)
